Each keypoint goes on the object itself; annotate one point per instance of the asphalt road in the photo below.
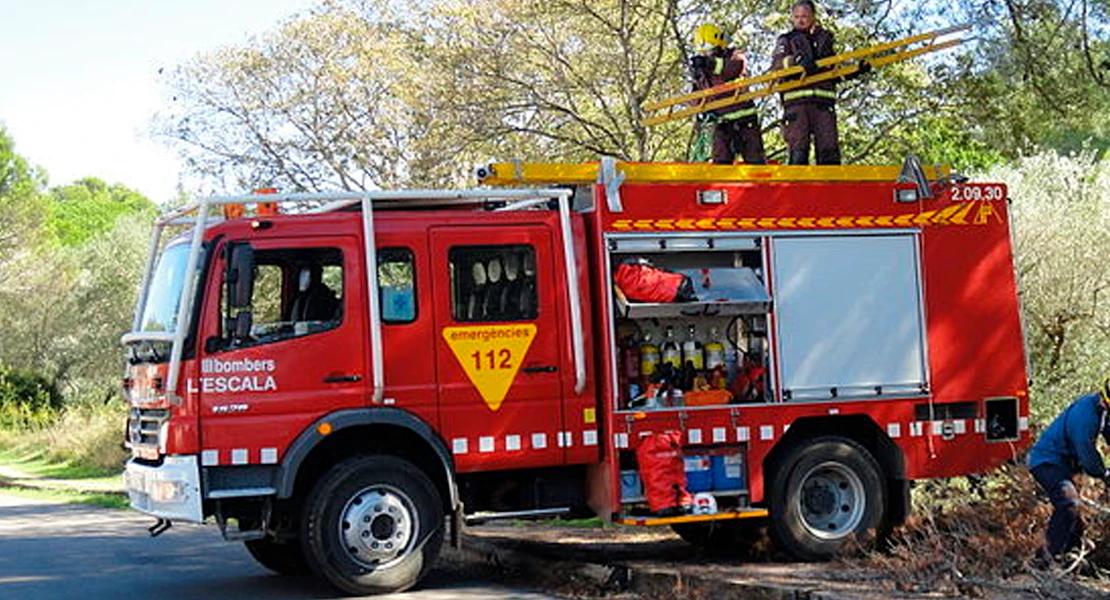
(74, 552)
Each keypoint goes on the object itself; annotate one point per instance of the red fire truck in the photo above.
(342, 383)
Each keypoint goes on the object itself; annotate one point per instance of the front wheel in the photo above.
(823, 493)
(373, 525)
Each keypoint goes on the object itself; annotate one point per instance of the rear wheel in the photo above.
(284, 558)
(373, 525)
(824, 493)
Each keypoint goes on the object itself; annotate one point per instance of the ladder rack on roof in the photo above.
(334, 201)
(517, 173)
(783, 80)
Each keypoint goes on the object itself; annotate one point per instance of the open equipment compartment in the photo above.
(707, 352)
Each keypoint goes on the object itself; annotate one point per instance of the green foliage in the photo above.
(21, 206)
(25, 388)
(63, 309)
(25, 418)
(80, 441)
(90, 207)
(17, 178)
(1061, 214)
(88, 437)
(1036, 77)
(357, 95)
(318, 104)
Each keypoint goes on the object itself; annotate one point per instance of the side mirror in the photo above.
(243, 322)
(240, 276)
(240, 287)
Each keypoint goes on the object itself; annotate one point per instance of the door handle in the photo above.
(342, 379)
(542, 369)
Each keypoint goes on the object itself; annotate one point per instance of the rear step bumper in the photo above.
(748, 513)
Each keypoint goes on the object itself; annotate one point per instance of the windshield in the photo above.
(160, 310)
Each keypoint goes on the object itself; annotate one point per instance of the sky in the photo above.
(79, 80)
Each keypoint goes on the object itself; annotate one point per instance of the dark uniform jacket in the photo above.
(726, 64)
(798, 47)
(1070, 440)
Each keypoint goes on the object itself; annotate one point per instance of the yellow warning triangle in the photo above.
(491, 355)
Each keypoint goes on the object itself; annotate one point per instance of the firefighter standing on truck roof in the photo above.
(1064, 449)
(809, 111)
(736, 127)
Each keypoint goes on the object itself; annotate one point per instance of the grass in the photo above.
(68, 496)
(590, 523)
(80, 442)
(36, 462)
(73, 454)
(586, 523)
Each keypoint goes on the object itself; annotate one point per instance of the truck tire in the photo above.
(823, 493)
(283, 558)
(373, 525)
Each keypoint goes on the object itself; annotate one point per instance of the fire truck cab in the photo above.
(335, 384)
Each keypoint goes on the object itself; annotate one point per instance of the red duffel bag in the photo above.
(641, 282)
(663, 473)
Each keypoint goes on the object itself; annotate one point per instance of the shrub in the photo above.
(88, 435)
(28, 389)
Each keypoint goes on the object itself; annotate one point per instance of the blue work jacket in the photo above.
(1070, 440)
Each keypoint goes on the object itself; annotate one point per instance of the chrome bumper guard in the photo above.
(171, 491)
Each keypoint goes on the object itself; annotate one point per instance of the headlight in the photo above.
(166, 491)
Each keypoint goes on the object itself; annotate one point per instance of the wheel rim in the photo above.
(378, 526)
(831, 501)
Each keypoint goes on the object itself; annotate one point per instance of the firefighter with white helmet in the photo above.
(736, 127)
(1068, 447)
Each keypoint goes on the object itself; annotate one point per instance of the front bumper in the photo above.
(170, 491)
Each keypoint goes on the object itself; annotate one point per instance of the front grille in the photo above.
(144, 425)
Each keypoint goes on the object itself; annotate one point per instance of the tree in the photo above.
(321, 103)
(1061, 214)
(21, 206)
(355, 95)
(87, 208)
(63, 314)
(1038, 76)
(551, 81)
(64, 305)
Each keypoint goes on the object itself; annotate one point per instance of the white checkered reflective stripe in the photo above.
(238, 456)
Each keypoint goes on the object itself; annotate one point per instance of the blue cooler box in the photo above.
(729, 472)
(631, 486)
(699, 474)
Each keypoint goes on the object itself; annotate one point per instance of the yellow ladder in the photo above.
(783, 80)
(522, 173)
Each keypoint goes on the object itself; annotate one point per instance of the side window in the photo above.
(397, 285)
(493, 283)
(297, 291)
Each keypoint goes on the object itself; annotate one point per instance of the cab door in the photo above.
(499, 352)
(304, 354)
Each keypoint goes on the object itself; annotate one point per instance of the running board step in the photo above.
(482, 517)
(748, 513)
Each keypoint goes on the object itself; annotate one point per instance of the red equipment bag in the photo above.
(663, 473)
(641, 282)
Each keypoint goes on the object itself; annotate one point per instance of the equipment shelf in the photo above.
(736, 291)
